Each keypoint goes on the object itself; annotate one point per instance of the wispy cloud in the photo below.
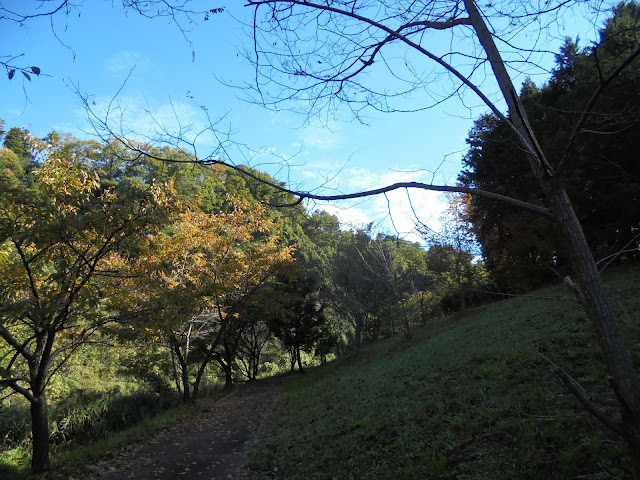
(319, 136)
(132, 116)
(349, 216)
(124, 61)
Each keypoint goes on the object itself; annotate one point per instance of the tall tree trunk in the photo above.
(186, 385)
(624, 378)
(358, 333)
(228, 371)
(292, 359)
(184, 370)
(40, 434)
(256, 365)
(299, 358)
(228, 376)
(176, 376)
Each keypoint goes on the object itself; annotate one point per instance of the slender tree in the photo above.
(59, 231)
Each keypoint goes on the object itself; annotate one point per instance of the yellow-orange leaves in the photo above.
(209, 261)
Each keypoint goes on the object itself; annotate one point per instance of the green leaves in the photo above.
(63, 239)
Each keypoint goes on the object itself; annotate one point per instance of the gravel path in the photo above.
(214, 443)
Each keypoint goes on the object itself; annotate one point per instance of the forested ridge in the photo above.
(134, 278)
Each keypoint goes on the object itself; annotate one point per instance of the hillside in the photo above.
(470, 397)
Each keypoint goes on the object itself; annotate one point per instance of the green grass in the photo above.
(470, 397)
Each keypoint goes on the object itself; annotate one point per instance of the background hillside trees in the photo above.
(355, 294)
(459, 278)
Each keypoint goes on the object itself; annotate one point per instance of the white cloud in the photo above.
(396, 212)
(320, 137)
(402, 209)
(349, 216)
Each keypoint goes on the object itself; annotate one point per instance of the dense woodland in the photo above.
(166, 278)
(184, 277)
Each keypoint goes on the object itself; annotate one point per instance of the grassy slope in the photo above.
(468, 397)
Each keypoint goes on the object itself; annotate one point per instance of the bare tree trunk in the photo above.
(292, 359)
(228, 376)
(256, 364)
(358, 333)
(228, 371)
(186, 385)
(624, 378)
(184, 370)
(40, 434)
(176, 377)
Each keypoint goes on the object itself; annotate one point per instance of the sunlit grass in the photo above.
(470, 397)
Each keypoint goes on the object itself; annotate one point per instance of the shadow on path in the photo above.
(213, 443)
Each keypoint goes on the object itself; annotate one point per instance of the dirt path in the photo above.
(212, 444)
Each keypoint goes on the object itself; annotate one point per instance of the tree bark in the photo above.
(228, 372)
(184, 371)
(256, 365)
(40, 433)
(624, 378)
(292, 360)
(358, 333)
(299, 358)
(176, 376)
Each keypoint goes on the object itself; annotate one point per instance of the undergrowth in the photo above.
(97, 429)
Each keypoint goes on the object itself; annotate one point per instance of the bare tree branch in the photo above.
(582, 396)
(578, 127)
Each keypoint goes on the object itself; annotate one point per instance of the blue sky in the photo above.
(99, 46)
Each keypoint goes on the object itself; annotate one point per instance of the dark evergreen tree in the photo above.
(298, 319)
(598, 163)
